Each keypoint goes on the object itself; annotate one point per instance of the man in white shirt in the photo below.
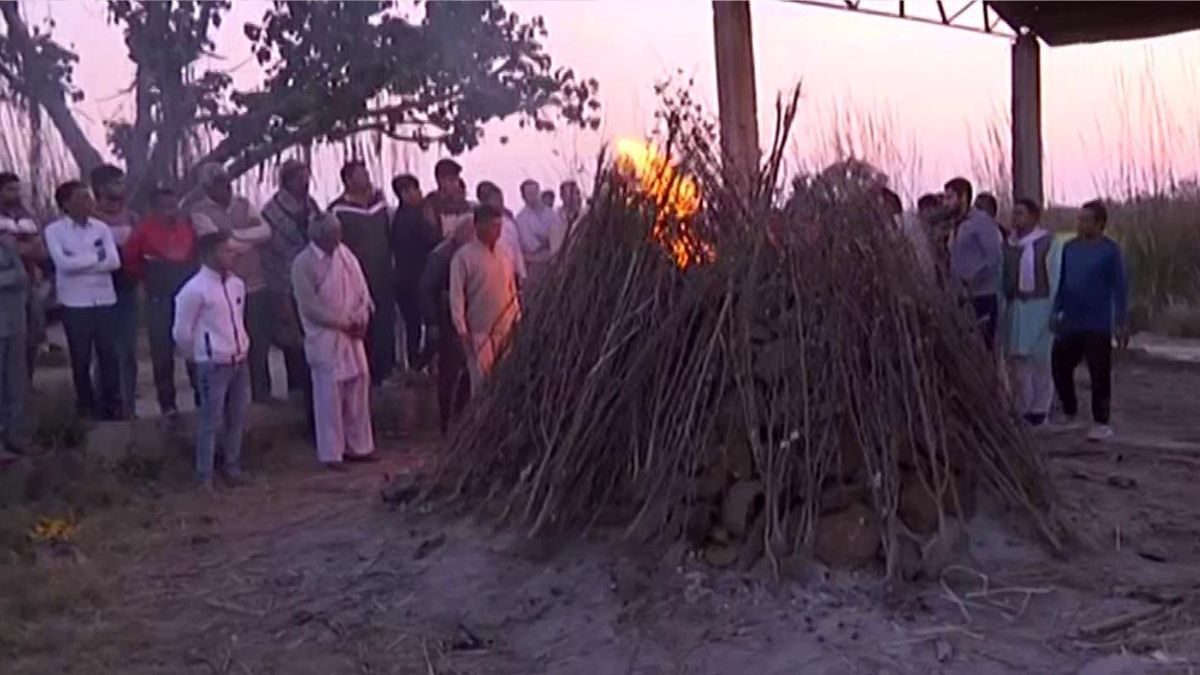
(537, 225)
(85, 256)
(510, 240)
(210, 330)
(335, 308)
(483, 296)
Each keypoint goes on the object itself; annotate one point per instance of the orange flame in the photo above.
(677, 196)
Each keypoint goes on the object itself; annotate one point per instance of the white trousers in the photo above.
(1032, 384)
(342, 412)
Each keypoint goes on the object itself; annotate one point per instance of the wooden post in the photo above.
(735, 86)
(1027, 118)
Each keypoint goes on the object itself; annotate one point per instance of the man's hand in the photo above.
(356, 330)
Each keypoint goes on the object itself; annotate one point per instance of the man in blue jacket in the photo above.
(1090, 306)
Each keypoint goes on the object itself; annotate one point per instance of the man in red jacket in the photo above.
(161, 253)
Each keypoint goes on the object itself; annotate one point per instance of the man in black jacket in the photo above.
(453, 381)
(414, 237)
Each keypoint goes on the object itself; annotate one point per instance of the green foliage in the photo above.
(425, 73)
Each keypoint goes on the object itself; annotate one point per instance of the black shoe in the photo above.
(336, 467)
(235, 480)
(362, 459)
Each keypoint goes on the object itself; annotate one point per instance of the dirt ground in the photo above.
(308, 572)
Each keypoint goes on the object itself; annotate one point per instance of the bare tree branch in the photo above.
(43, 90)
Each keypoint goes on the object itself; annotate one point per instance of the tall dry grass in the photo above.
(32, 148)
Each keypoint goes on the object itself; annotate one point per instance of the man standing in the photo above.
(414, 236)
(483, 296)
(447, 206)
(217, 209)
(363, 215)
(18, 222)
(975, 253)
(85, 256)
(536, 224)
(162, 255)
(510, 239)
(1091, 303)
(14, 381)
(108, 184)
(335, 306)
(288, 214)
(572, 203)
(210, 330)
(1032, 260)
(569, 214)
(453, 381)
(987, 203)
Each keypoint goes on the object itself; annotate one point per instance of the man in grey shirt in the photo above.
(14, 292)
(975, 254)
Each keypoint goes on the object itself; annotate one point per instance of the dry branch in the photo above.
(803, 370)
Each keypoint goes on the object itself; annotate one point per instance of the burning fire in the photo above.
(677, 196)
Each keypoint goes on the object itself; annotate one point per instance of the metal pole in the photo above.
(736, 91)
(1027, 118)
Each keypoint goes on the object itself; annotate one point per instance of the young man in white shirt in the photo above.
(85, 256)
(210, 331)
(537, 225)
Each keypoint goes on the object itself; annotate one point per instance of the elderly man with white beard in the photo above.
(335, 308)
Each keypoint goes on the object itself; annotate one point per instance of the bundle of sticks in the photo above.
(801, 388)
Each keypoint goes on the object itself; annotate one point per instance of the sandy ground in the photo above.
(307, 572)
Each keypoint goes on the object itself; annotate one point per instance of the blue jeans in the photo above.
(224, 400)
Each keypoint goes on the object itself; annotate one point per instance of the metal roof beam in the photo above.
(961, 19)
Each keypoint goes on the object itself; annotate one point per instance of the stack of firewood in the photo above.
(803, 391)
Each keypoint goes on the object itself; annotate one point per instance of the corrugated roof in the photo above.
(1067, 23)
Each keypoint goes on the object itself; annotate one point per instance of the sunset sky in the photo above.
(935, 90)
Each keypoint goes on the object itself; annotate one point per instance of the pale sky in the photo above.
(935, 91)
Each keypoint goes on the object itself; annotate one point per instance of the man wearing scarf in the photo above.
(288, 214)
(217, 209)
(335, 307)
(365, 222)
(1029, 279)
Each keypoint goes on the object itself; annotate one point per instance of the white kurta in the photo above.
(483, 304)
(537, 229)
(332, 293)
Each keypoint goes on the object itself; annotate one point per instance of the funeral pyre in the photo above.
(759, 381)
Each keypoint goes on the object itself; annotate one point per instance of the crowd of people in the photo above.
(218, 284)
(1043, 303)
